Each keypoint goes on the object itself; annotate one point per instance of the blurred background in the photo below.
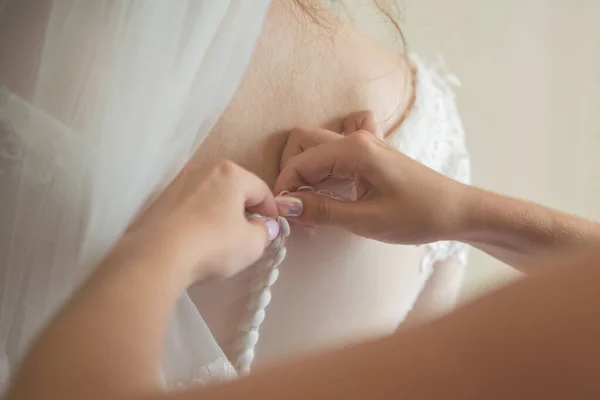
(530, 98)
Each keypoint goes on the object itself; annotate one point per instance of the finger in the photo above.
(314, 210)
(338, 159)
(269, 227)
(257, 195)
(361, 121)
(301, 139)
(257, 236)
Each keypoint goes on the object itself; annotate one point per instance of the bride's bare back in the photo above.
(333, 287)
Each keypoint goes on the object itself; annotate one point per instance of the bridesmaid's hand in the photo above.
(198, 224)
(398, 199)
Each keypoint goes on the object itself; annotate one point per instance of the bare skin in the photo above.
(514, 231)
(534, 339)
(324, 74)
(300, 74)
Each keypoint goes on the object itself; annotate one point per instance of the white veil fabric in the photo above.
(110, 99)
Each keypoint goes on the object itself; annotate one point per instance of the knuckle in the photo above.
(225, 168)
(297, 133)
(295, 136)
(362, 140)
(322, 211)
(360, 120)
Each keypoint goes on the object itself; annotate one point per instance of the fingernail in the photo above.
(306, 189)
(284, 193)
(273, 228)
(289, 206)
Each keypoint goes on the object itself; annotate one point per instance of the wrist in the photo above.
(160, 257)
(484, 217)
(466, 211)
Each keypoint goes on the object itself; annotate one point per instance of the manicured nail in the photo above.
(273, 228)
(289, 206)
(284, 193)
(306, 189)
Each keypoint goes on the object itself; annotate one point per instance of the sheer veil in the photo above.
(110, 101)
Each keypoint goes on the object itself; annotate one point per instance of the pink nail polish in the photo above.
(306, 189)
(289, 206)
(273, 228)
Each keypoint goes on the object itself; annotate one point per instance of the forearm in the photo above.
(492, 349)
(519, 232)
(108, 339)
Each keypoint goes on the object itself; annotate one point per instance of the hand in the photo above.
(198, 223)
(398, 199)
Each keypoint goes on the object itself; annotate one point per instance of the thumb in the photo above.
(314, 209)
(263, 229)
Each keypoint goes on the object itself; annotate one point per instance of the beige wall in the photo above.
(530, 99)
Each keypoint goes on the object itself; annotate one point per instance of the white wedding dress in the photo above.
(107, 79)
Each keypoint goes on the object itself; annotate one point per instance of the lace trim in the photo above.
(433, 134)
(220, 370)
